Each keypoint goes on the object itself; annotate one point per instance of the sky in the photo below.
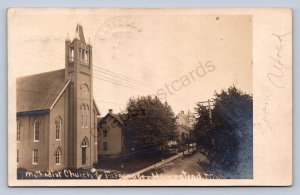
(182, 57)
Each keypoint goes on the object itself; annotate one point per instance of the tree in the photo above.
(202, 128)
(150, 123)
(228, 138)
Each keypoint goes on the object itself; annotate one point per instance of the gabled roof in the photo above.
(99, 119)
(189, 114)
(181, 115)
(118, 118)
(115, 116)
(40, 91)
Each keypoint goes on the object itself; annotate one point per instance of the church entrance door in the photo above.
(83, 155)
(84, 146)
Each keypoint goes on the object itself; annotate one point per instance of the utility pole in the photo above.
(208, 102)
(209, 106)
(209, 111)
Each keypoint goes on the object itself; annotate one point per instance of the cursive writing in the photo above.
(277, 74)
(266, 111)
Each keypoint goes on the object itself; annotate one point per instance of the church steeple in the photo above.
(76, 36)
(79, 34)
(79, 69)
(78, 54)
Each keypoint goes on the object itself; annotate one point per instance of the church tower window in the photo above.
(82, 112)
(86, 57)
(72, 55)
(82, 54)
(86, 116)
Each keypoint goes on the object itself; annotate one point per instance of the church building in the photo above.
(185, 123)
(57, 114)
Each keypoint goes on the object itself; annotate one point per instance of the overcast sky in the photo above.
(149, 52)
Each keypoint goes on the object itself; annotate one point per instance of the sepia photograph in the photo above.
(137, 95)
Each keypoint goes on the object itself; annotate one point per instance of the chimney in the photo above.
(110, 111)
(182, 112)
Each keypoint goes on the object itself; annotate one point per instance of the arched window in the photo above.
(82, 54)
(87, 56)
(71, 55)
(36, 127)
(18, 131)
(58, 124)
(86, 115)
(84, 143)
(82, 110)
(58, 154)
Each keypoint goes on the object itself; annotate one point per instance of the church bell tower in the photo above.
(79, 69)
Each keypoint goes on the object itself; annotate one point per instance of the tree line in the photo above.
(223, 133)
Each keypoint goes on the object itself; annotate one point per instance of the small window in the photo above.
(105, 133)
(58, 123)
(18, 131)
(18, 156)
(36, 136)
(105, 146)
(58, 156)
(35, 157)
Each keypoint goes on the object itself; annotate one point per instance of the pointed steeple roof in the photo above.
(190, 113)
(76, 36)
(79, 34)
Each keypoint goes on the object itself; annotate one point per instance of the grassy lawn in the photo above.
(131, 163)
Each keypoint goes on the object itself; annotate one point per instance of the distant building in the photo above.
(57, 114)
(185, 124)
(111, 135)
